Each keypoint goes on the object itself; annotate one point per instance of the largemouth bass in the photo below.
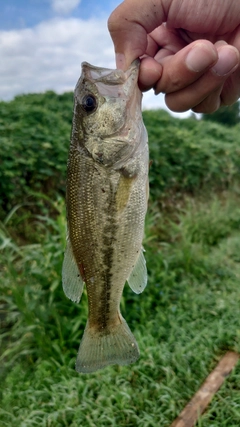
(106, 199)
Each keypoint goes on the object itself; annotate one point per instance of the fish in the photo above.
(106, 204)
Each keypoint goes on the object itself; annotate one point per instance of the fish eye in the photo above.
(89, 103)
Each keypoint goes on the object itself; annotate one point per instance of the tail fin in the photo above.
(99, 349)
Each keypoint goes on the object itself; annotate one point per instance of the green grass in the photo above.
(185, 320)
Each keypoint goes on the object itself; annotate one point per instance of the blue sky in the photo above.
(43, 42)
(18, 14)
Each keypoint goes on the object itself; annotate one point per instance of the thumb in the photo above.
(129, 25)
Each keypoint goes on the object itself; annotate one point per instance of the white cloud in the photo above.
(49, 56)
(64, 6)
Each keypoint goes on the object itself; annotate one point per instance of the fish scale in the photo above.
(106, 200)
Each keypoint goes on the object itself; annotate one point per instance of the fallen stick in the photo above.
(197, 405)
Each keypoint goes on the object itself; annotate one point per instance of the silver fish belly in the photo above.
(106, 199)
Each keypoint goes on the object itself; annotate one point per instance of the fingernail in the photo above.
(120, 61)
(220, 43)
(200, 57)
(228, 60)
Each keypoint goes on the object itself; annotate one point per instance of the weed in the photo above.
(185, 319)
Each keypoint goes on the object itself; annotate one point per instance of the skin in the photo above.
(189, 49)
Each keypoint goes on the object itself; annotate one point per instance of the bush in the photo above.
(188, 155)
(34, 135)
(35, 131)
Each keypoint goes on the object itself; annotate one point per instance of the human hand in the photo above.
(189, 49)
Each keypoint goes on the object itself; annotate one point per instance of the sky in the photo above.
(43, 42)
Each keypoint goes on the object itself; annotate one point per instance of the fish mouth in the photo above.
(108, 75)
(113, 83)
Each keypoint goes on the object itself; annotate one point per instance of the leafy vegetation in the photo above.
(228, 116)
(34, 132)
(190, 155)
(188, 315)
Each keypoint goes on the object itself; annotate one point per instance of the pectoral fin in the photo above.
(138, 277)
(71, 277)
